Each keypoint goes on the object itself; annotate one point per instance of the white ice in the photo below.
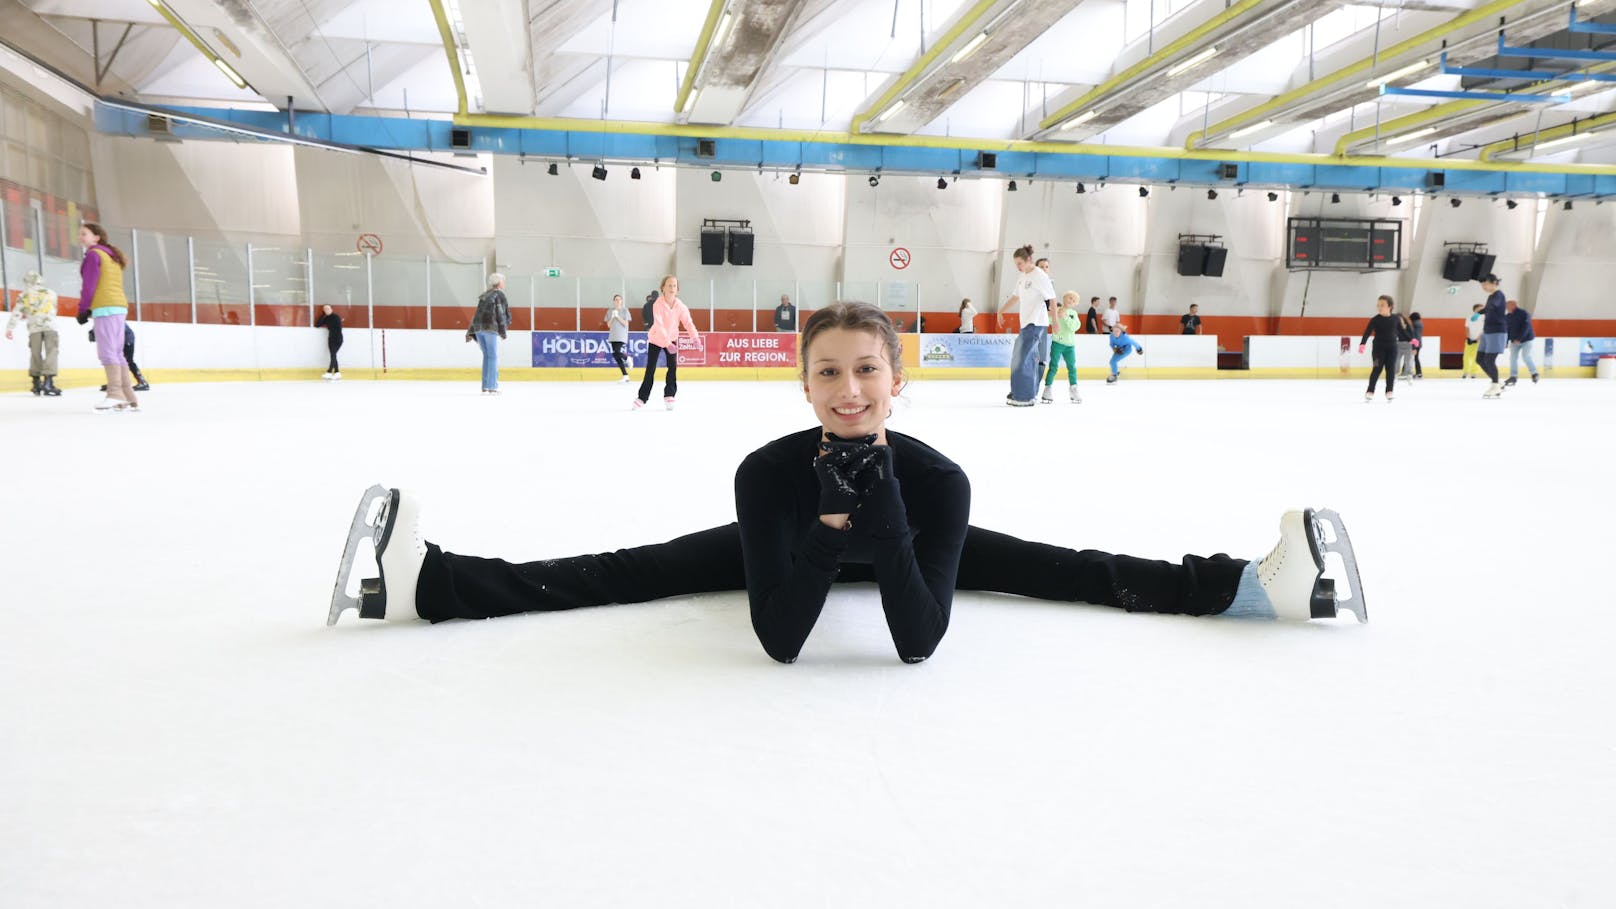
(180, 728)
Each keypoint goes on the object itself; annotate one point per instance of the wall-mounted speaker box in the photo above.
(1191, 260)
(987, 160)
(459, 137)
(1484, 266)
(1436, 179)
(1216, 256)
(1459, 266)
(1229, 171)
(706, 148)
(740, 247)
(712, 246)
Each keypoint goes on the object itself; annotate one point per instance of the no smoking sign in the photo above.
(900, 258)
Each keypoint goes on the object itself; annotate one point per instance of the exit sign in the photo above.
(552, 272)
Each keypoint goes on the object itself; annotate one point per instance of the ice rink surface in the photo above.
(179, 727)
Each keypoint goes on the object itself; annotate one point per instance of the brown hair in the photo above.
(664, 282)
(1024, 252)
(851, 316)
(1390, 303)
(101, 239)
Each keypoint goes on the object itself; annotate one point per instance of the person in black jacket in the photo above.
(1494, 334)
(332, 323)
(1385, 327)
(1418, 326)
(846, 500)
(1521, 337)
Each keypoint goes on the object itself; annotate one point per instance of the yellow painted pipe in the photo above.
(966, 23)
(1162, 56)
(446, 32)
(1353, 70)
(1537, 138)
(764, 134)
(1442, 111)
(699, 55)
(191, 36)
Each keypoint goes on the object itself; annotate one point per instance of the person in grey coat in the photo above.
(488, 327)
(617, 333)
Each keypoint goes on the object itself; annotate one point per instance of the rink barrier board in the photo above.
(16, 380)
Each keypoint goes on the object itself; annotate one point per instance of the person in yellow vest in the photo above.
(102, 299)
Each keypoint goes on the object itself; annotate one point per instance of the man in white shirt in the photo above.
(1035, 296)
(1112, 317)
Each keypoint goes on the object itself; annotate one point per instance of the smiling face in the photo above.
(850, 382)
(670, 287)
(87, 237)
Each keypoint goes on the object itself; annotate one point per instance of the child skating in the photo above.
(1384, 326)
(1063, 348)
(1122, 347)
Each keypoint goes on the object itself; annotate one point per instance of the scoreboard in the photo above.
(1344, 244)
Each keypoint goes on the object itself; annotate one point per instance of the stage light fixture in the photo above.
(716, 176)
(599, 173)
(1568, 205)
(941, 183)
(1144, 191)
(553, 170)
(1080, 189)
(634, 173)
(1211, 195)
(1335, 198)
(1510, 204)
(875, 180)
(1397, 200)
(1454, 202)
(1012, 186)
(1273, 197)
(794, 179)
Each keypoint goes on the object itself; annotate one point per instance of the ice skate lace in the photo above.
(1269, 567)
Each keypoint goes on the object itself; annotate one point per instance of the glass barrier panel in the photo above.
(732, 298)
(399, 291)
(771, 295)
(221, 283)
(597, 296)
(697, 294)
(640, 292)
(814, 295)
(555, 303)
(519, 292)
(339, 282)
(164, 265)
(455, 289)
(280, 286)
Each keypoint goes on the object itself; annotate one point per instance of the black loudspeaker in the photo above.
(1191, 260)
(1459, 266)
(1215, 257)
(740, 247)
(1484, 266)
(712, 246)
(459, 138)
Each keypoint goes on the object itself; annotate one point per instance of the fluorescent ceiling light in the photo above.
(1410, 137)
(690, 101)
(723, 31)
(970, 48)
(1079, 120)
(887, 115)
(1253, 128)
(1563, 140)
(1193, 62)
(1397, 74)
(231, 74)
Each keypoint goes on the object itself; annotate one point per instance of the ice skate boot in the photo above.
(1389, 397)
(1111, 380)
(50, 390)
(1534, 378)
(1293, 574)
(668, 403)
(1368, 396)
(1048, 397)
(140, 382)
(1509, 382)
(1493, 391)
(390, 519)
(39, 385)
(1076, 398)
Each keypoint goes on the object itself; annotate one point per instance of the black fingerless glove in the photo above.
(876, 465)
(837, 472)
(84, 317)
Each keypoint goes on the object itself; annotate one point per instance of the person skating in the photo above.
(1417, 327)
(36, 309)
(1384, 326)
(845, 501)
(1521, 337)
(617, 334)
(1473, 323)
(332, 323)
(1494, 334)
(668, 315)
(1036, 298)
(102, 299)
(1123, 346)
(129, 358)
(1063, 349)
(487, 328)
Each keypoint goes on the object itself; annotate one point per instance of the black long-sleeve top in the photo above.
(906, 535)
(332, 323)
(1384, 328)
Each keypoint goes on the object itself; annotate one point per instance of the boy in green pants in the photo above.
(1063, 347)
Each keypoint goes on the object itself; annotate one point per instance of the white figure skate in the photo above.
(1293, 574)
(390, 519)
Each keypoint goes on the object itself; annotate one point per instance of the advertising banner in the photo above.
(1594, 348)
(966, 350)
(584, 348)
(718, 348)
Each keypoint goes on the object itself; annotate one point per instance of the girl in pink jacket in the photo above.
(669, 314)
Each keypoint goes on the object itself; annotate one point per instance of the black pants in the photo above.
(467, 587)
(1418, 373)
(1489, 364)
(333, 345)
(620, 357)
(671, 387)
(1385, 357)
(129, 357)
